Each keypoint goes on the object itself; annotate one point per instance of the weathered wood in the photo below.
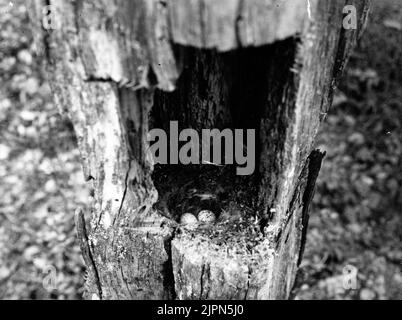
(230, 24)
(274, 70)
(110, 123)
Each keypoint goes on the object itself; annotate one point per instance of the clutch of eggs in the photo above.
(206, 216)
(188, 220)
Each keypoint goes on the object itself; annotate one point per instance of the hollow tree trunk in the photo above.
(118, 68)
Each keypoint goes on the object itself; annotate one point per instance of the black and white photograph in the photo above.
(200, 150)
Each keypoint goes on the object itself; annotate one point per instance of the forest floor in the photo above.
(356, 219)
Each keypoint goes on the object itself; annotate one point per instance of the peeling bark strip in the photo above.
(261, 64)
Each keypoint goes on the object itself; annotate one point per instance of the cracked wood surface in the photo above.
(103, 47)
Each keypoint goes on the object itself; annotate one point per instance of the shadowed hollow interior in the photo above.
(242, 89)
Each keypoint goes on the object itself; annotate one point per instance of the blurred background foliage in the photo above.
(356, 218)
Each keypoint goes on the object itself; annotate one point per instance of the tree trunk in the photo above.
(119, 68)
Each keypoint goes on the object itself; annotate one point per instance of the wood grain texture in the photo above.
(123, 40)
(230, 24)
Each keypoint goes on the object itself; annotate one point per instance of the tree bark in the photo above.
(119, 68)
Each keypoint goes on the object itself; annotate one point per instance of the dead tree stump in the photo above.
(119, 68)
